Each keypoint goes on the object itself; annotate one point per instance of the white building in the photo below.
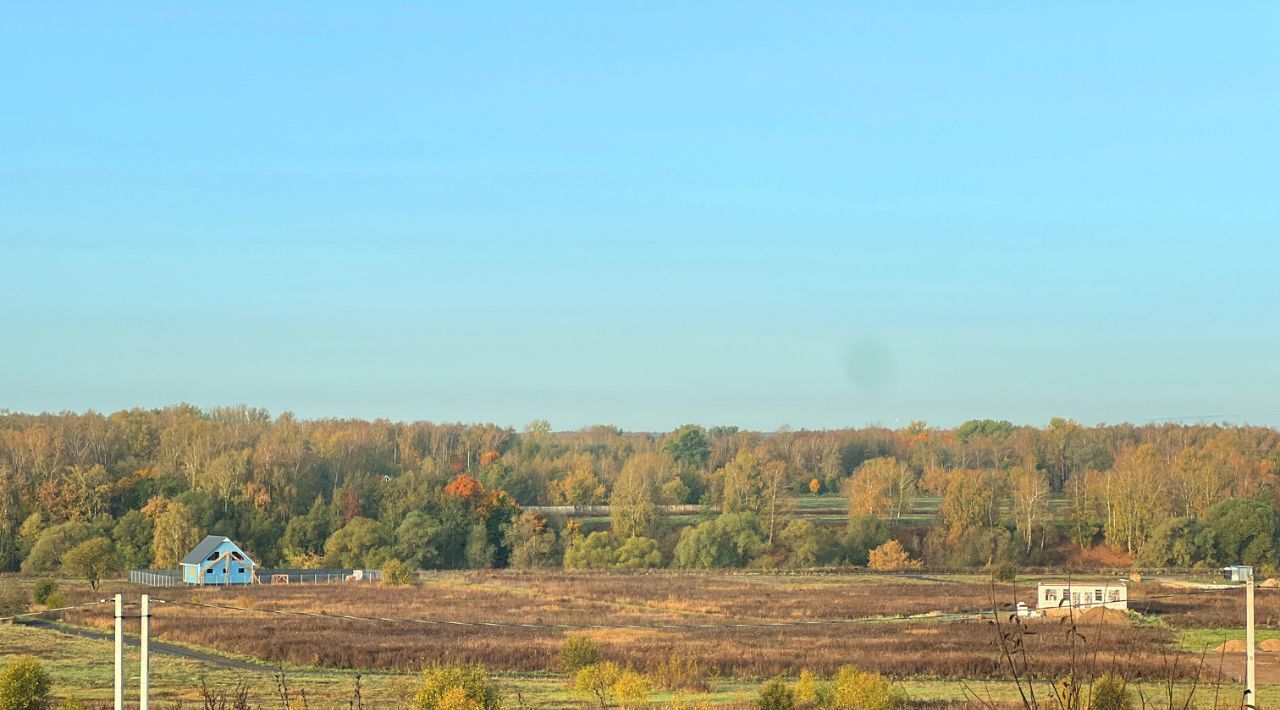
(1237, 573)
(1081, 595)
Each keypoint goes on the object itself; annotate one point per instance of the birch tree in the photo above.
(1030, 494)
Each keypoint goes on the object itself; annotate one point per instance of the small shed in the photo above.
(1237, 573)
(218, 560)
(1077, 594)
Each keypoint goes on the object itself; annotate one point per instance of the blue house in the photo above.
(218, 560)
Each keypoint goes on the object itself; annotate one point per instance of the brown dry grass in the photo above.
(955, 649)
(1184, 607)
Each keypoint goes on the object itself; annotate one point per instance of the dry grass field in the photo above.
(964, 648)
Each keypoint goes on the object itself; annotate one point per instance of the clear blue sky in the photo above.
(643, 213)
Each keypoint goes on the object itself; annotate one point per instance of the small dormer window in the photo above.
(237, 556)
(212, 556)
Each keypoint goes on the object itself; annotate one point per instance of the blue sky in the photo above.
(643, 213)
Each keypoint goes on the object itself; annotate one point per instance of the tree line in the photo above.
(140, 487)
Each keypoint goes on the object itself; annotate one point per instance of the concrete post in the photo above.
(144, 670)
(1250, 685)
(119, 652)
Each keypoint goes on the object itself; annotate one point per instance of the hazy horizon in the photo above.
(1200, 420)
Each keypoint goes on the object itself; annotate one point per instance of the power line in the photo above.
(51, 611)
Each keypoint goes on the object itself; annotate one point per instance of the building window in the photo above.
(1097, 595)
(1113, 595)
(240, 571)
(1050, 595)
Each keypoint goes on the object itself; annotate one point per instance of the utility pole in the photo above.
(1244, 573)
(144, 679)
(1250, 686)
(119, 652)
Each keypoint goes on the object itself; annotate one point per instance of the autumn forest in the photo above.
(401, 496)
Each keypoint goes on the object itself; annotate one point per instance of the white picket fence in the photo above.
(155, 578)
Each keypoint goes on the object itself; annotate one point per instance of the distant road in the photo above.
(156, 647)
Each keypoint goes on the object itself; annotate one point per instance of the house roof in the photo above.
(204, 549)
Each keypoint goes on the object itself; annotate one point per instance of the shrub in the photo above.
(457, 699)
(808, 545)
(13, 600)
(533, 542)
(53, 543)
(599, 550)
(24, 685)
(578, 652)
(45, 589)
(631, 689)
(1006, 572)
(775, 695)
(55, 601)
(730, 540)
(1110, 693)
(677, 672)
(397, 573)
(637, 553)
(806, 689)
(597, 680)
(864, 534)
(446, 687)
(852, 688)
(891, 556)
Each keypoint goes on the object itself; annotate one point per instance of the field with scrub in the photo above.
(932, 633)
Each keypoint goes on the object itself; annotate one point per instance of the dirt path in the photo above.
(156, 646)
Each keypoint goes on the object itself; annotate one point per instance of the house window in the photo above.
(1050, 595)
(209, 571)
(1097, 595)
(240, 571)
(1113, 595)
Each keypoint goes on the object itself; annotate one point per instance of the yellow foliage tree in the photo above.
(883, 486)
(174, 535)
(597, 681)
(580, 486)
(891, 556)
(1135, 495)
(972, 500)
